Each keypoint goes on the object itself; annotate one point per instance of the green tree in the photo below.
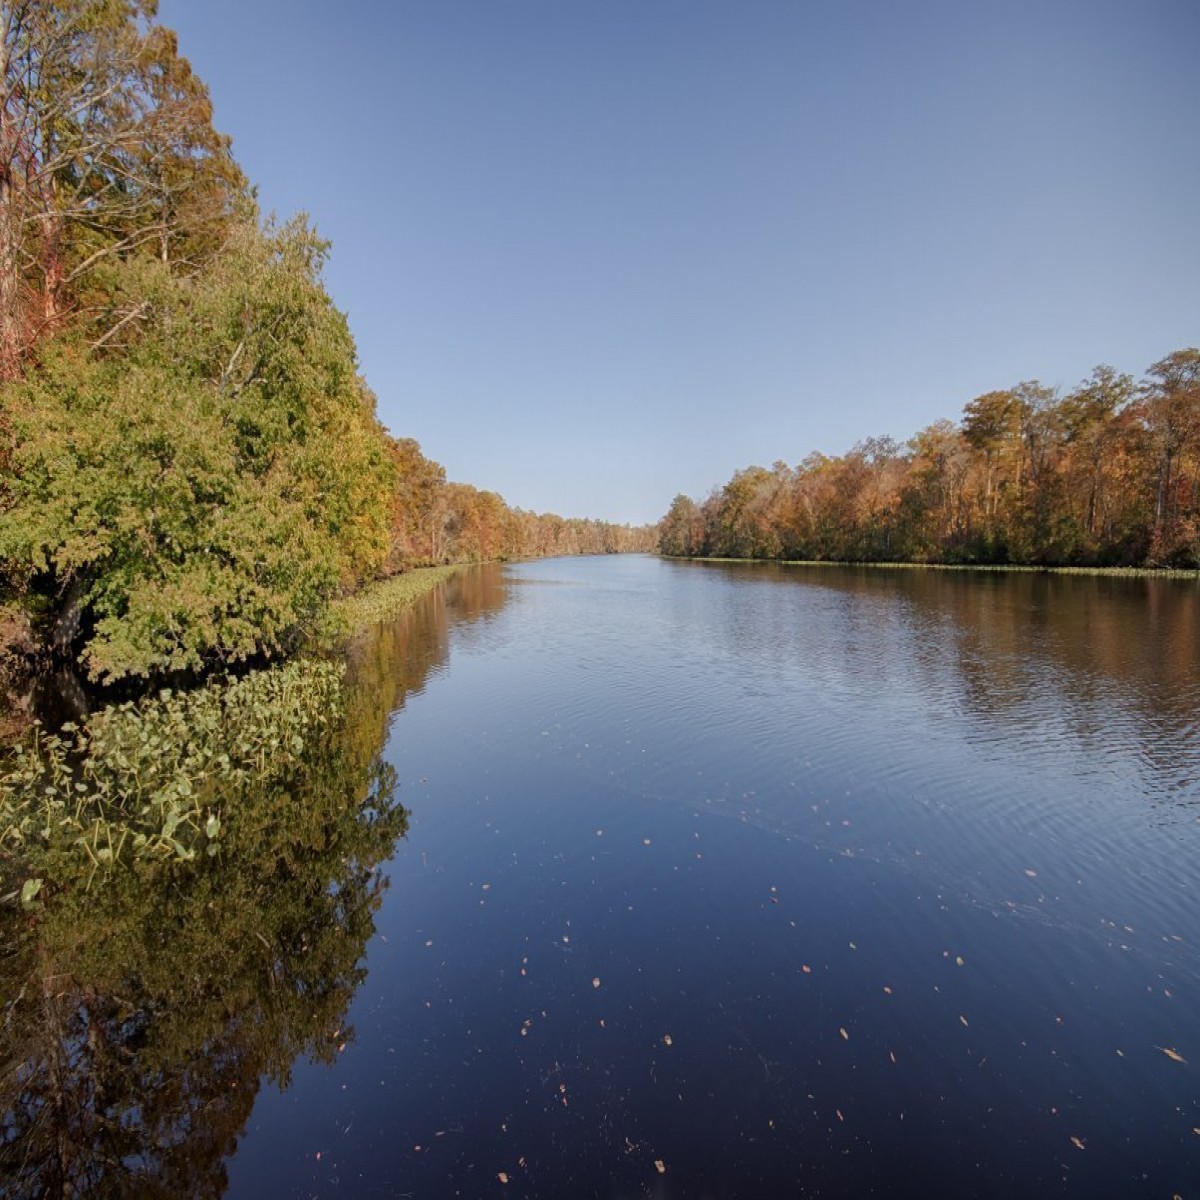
(198, 498)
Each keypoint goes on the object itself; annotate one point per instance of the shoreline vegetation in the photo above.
(1106, 475)
(384, 600)
(156, 779)
(1192, 573)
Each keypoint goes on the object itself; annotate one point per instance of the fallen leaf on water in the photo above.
(806, 969)
(1173, 1055)
(596, 982)
(1077, 1143)
(502, 1177)
(845, 1035)
(660, 1166)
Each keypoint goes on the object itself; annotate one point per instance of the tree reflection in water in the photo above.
(142, 1015)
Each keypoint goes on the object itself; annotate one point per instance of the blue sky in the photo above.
(598, 252)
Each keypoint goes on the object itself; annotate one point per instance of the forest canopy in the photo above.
(191, 466)
(1106, 475)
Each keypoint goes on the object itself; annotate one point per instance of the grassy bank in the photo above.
(1005, 568)
(384, 600)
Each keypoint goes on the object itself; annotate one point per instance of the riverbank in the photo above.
(997, 568)
(383, 600)
(158, 777)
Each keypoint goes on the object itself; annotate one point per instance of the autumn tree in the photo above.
(1170, 406)
(106, 149)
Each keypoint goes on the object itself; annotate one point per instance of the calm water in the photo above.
(717, 881)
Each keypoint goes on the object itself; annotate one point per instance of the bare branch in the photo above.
(133, 315)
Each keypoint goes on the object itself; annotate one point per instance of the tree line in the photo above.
(191, 465)
(1107, 474)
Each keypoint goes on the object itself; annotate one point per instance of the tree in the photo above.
(106, 149)
(199, 498)
(1170, 405)
(681, 531)
(991, 426)
(1092, 438)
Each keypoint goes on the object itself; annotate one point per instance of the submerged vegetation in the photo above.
(191, 467)
(1106, 475)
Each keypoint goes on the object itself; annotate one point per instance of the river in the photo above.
(699, 880)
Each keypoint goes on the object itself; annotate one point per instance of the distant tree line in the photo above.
(191, 467)
(1106, 475)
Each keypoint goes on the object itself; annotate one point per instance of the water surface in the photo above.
(753, 881)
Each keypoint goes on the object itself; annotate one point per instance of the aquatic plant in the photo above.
(382, 601)
(155, 778)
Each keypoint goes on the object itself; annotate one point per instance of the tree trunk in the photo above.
(69, 621)
(10, 291)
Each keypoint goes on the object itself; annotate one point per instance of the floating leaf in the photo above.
(1077, 1143)
(1173, 1055)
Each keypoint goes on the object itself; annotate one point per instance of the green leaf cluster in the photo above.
(158, 779)
(210, 489)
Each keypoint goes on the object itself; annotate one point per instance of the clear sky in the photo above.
(598, 252)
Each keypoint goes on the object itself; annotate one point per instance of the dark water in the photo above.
(716, 881)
